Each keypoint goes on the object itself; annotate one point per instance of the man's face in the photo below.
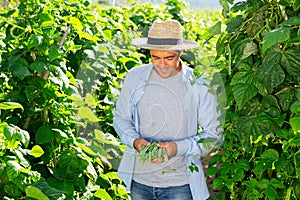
(166, 63)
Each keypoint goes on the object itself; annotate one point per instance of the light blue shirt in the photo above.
(200, 106)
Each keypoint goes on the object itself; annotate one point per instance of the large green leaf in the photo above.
(243, 77)
(243, 93)
(20, 68)
(295, 107)
(271, 75)
(215, 29)
(270, 154)
(292, 21)
(44, 134)
(35, 193)
(271, 193)
(290, 61)
(86, 113)
(38, 66)
(295, 123)
(275, 183)
(274, 37)
(286, 97)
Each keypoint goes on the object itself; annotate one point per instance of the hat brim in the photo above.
(186, 44)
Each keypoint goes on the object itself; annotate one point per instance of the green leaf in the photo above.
(34, 41)
(275, 183)
(242, 77)
(295, 123)
(215, 29)
(295, 107)
(292, 21)
(54, 52)
(243, 93)
(212, 171)
(102, 194)
(36, 151)
(31, 93)
(47, 24)
(270, 154)
(10, 106)
(290, 61)
(76, 24)
(274, 37)
(74, 47)
(263, 183)
(44, 134)
(271, 75)
(90, 100)
(38, 66)
(234, 23)
(261, 166)
(87, 114)
(238, 175)
(13, 169)
(297, 190)
(270, 193)
(20, 68)
(23, 136)
(107, 34)
(35, 193)
(243, 164)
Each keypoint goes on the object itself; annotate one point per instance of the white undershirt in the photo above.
(162, 118)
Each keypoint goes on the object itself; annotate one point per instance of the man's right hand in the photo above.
(138, 143)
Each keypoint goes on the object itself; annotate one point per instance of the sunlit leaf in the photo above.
(102, 194)
(10, 106)
(90, 100)
(36, 151)
(295, 123)
(274, 37)
(215, 29)
(13, 169)
(36, 193)
(87, 114)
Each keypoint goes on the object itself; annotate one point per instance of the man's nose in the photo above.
(162, 62)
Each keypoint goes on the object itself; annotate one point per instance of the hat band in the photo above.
(164, 41)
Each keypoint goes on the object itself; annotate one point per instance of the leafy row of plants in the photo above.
(259, 53)
(61, 67)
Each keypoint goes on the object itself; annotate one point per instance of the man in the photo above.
(163, 102)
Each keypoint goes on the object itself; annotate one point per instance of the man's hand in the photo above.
(171, 148)
(138, 143)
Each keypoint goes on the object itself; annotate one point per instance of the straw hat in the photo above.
(165, 35)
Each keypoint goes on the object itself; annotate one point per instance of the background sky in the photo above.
(194, 4)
